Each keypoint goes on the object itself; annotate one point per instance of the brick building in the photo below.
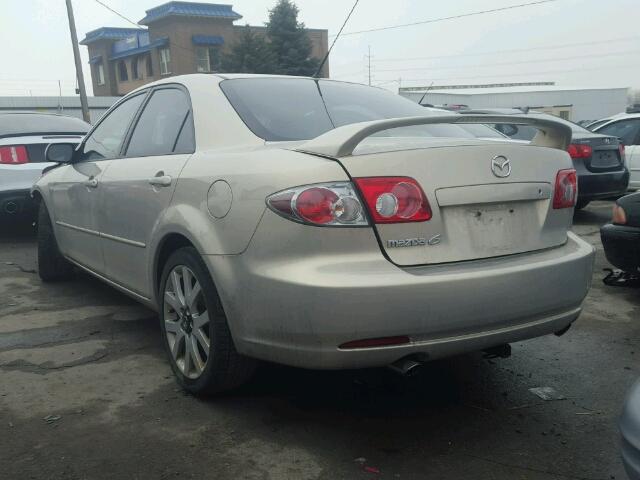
(179, 38)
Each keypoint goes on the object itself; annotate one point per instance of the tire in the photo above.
(52, 266)
(580, 204)
(184, 337)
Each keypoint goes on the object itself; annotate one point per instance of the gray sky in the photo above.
(571, 42)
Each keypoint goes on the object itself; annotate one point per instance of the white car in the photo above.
(315, 223)
(627, 128)
(23, 140)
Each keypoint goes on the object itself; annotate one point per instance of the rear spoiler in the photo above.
(342, 141)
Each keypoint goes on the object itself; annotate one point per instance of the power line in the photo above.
(513, 50)
(135, 24)
(453, 17)
(523, 62)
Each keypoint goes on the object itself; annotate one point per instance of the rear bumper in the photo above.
(621, 246)
(592, 186)
(16, 204)
(299, 312)
(630, 429)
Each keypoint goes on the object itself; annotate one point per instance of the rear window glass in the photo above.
(14, 124)
(279, 109)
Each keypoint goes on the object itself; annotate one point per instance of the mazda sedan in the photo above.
(315, 223)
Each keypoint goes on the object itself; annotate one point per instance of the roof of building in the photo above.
(189, 9)
(492, 91)
(109, 33)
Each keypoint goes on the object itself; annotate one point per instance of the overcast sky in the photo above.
(571, 42)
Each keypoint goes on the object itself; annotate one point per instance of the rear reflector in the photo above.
(376, 342)
(566, 190)
(394, 199)
(579, 150)
(13, 155)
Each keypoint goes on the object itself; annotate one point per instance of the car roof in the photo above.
(34, 123)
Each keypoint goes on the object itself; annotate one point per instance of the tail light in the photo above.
(13, 155)
(579, 150)
(326, 204)
(566, 189)
(621, 150)
(394, 199)
(619, 215)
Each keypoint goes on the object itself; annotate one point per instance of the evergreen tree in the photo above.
(251, 53)
(289, 41)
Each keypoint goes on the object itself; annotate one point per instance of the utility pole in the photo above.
(76, 57)
(369, 61)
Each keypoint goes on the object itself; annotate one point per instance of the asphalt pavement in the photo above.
(86, 393)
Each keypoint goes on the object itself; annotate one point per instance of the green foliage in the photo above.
(251, 53)
(289, 41)
(286, 49)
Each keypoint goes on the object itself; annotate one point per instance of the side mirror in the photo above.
(59, 152)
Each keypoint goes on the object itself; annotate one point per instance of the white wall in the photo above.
(586, 104)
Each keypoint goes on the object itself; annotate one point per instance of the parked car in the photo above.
(23, 139)
(626, 127)
(598, 159)
(596, 123)
(621, 237)
(315, 223)
(630, 429)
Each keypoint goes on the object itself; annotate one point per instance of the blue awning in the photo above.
(96, 59)
(207, 40)
(159, 42)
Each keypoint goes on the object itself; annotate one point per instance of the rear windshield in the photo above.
(279, 109)
(18, 124)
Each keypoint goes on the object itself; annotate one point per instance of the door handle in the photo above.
(91, 183)
(160, 180)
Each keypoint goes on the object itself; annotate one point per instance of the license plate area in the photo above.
(605, 159)
(487, 230)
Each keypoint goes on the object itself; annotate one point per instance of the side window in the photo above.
(627, 130)
(160, 123)
(106, 140)
(186, 142)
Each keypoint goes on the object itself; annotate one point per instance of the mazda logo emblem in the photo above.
(501, 166)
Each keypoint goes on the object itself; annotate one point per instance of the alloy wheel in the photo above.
(186, 322)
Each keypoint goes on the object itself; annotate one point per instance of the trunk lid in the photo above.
(476, 214)
(479, 210)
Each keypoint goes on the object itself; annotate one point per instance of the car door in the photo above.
(75, 190)
(629, 133)
(138, 187)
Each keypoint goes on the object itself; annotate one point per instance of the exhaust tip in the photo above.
(407, 367)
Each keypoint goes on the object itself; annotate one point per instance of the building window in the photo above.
(165, 61)
(100, 73)
(134, 68)
(149, 66)
(207, 59)
(122, 71)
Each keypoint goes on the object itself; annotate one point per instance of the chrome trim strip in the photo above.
(103, 235)
(123, 240)
(79, 229)
(110, 282)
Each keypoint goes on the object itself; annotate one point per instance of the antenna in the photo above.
(324, 60)
(425, 93)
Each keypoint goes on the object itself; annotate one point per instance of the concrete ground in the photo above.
(86, 392)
